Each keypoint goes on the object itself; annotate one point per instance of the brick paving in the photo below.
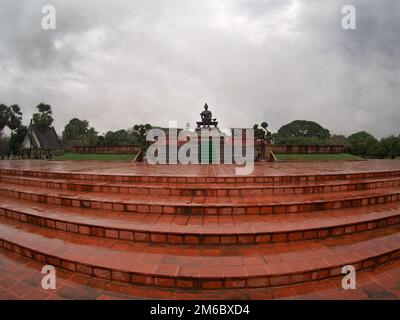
(261, 169)
(20, 278)
(125, 230)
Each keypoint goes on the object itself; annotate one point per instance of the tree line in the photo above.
(79, 132)
(364, 144)
(298, 132)
(11, 117)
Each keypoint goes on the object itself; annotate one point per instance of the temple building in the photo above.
(42, 142)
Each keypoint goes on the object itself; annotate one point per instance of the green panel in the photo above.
(204, 157)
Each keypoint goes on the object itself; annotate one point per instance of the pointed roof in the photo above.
(47, 139)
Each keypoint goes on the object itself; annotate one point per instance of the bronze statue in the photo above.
(206, 115)
(206, 119)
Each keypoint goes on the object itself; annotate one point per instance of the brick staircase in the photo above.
(201, 233)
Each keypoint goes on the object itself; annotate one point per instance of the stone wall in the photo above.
(284, 148)
(106, 149)
(276, 148)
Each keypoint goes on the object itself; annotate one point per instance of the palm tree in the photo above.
(4, 116)
(264, 125)
(43, 118)
(15, 117)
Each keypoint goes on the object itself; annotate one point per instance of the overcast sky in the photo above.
(118, 63)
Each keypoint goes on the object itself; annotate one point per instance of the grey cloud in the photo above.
(117, 63)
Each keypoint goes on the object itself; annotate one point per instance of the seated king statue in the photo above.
(206, 119)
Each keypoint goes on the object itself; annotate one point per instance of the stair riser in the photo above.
(177, 179)
(171, 238)
(201, 192)
(184, 282)
(194, 209)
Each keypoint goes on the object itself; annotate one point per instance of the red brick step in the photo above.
(265, 204)
(264, 265)
(178, 229)
(20, 278)
(139, 172)
(203, 189)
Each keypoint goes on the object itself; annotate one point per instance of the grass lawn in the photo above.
(95, 156)
(316, 157)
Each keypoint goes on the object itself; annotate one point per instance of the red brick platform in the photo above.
(125, 230)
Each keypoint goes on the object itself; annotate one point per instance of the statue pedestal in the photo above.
(201, 124)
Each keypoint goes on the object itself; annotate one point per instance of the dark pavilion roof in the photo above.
(48, 139)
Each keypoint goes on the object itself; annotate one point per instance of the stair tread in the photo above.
(212, 185)
(245, 201)
(165, 261)
(223, 170)
(194, 240)
(201, 225)
(385, 281)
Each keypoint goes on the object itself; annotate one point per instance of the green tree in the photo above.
(260, 133)
(264, 125)
(303, 128)
(142, 128)
(100, 140)
(139, 132)
(16, 139)
(43, 119)
(15, 117)
(389, 147)
(139, 135)
(302, 141)
(78, 132)
(4, 116)
(4, 146)
(338, 139)
(362, 144)
(90, 138)
(117, 138)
